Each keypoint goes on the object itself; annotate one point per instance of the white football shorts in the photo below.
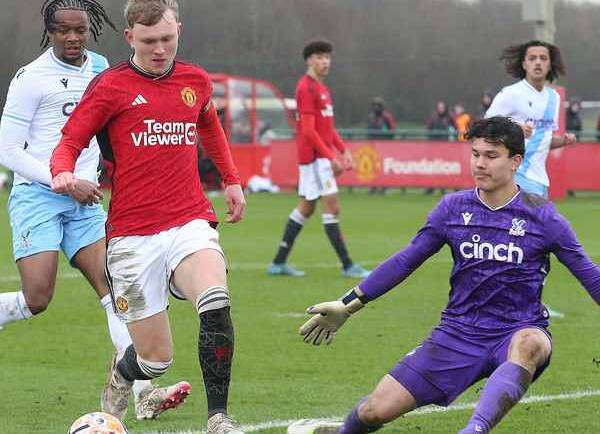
(316, 179)
(139, 267)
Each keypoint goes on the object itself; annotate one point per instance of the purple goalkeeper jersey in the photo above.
(501, 259)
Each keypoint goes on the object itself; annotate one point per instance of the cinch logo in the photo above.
(368, 163)
(68, 108)
(544, 124)
(498, 252)
(165, 133)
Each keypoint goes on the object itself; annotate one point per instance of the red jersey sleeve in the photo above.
(215, 144)
(338, 142)
(88, 118)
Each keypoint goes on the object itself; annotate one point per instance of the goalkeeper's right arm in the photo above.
(330, 316)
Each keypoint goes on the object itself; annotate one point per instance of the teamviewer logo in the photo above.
(190, 134)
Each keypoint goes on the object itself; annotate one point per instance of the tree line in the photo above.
(410, 52)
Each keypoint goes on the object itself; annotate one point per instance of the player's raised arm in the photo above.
(215, 143)
(330, 316)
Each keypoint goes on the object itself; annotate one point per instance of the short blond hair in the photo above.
(148, 12)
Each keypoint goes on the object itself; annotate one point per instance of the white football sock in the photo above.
(119, 335)
(13, 307)
(138, 386)
(117, 329)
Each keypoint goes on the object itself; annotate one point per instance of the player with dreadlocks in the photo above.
(40, 99)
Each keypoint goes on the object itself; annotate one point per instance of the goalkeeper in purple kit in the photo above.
(495, 325)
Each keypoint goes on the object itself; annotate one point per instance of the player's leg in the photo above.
(199, 275)
(388, 401)
(136, 272)
(330, 205)
(36, 233)
(38, 276)
(417, 380)
(526, 354)
(294, 225)
(150, 400)
(149, 357)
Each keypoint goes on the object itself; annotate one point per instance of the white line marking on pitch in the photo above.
(422, 411)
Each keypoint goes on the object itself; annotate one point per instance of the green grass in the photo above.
(53, 367)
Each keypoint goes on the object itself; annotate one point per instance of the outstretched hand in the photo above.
(328, 318)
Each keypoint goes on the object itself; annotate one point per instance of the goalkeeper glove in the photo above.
(329, 317)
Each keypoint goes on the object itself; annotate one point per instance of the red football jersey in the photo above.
(313, 97)
(151, 126)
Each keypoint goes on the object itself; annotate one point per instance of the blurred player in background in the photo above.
(152, 110)
(495, 325)
(40, 99)
(317, 141)
(535, 106)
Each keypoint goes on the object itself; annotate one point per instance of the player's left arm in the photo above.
(330, 316)
(347, 160)
(569, 252)
(215, 144)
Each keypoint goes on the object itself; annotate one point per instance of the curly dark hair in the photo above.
(499, 130)
(316, 46)
(514, 56)
(95, 11)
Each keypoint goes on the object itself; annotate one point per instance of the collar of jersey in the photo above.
(149, 75)
(533, 89)
(501, 206)
(66, 65)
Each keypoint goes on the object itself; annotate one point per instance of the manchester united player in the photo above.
(318, 142)
(40, 99)
(160, 229)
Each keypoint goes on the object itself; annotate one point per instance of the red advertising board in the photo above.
(396, 163)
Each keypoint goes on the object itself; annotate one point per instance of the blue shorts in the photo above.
(531, 186)
(44, 221)
(448, 363)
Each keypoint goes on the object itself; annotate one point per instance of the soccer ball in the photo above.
(97, 423)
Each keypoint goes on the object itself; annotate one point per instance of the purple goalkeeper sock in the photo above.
(505, 387)
(353, 424)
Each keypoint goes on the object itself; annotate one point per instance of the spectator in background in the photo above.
(439, 123)
(462, 121)
(381, 123)
(574, 124)
(486, 101)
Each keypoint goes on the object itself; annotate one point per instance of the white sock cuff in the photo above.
(106, 302)
(139, 386)
(153, 369)
(215, 297)
(22, 305)
(329, 218)
(297, 216)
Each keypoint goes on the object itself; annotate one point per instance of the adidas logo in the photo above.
(139, 99)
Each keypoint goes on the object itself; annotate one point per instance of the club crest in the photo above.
(518, 228)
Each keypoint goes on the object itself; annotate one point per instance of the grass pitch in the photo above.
(53, 367)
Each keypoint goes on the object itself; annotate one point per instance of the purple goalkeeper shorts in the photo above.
(448, 362)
